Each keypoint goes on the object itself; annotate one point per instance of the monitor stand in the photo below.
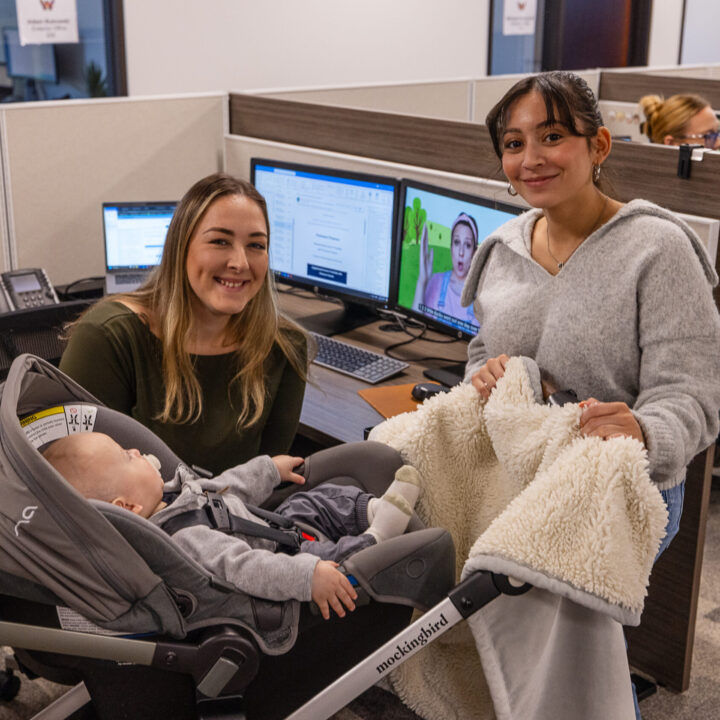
(342, 319)
(449, 375)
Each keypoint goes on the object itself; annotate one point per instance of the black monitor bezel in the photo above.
(330, 290)
(432, 323)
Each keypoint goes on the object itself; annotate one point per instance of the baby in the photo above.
(97, 467)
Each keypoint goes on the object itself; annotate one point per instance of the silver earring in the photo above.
(596, 173)
(511, 191)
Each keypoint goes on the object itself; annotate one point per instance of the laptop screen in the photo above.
(135, 234)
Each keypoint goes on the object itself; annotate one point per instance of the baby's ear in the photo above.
(123, 503)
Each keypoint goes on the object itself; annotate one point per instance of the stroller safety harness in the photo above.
(217, 516)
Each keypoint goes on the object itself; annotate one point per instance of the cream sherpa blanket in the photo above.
(524, 494)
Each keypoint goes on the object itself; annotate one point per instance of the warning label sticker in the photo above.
(53, 423)
(70, 620)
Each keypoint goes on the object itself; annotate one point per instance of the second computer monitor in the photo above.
(439, 231)
(331, 231)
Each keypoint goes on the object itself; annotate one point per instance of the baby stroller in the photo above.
(192, 646)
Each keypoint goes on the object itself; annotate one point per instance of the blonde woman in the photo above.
(201, 354)
(680, 119)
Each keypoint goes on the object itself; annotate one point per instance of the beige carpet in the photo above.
(700, 702)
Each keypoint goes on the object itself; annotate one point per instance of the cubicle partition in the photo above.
(62, 160)
(240, 149)
(449, 100)
(462, 99)
(465, 148)
(487, 91)
(709, 70)
(631, 86)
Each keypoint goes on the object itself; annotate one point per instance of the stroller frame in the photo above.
(214, 667)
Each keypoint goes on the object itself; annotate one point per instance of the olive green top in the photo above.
(113, 355)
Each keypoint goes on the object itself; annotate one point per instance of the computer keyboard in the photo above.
(371, 367)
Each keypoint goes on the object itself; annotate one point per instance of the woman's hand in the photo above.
(609, 420)
(485, 379)
(285, 465)
(424, 270)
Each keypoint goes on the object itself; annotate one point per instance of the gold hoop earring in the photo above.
(596, 173)
(511, 191)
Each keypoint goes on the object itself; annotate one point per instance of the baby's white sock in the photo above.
(406, 484)
(390, 514)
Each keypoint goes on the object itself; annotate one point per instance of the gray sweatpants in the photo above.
(334, 506)
(339, 512)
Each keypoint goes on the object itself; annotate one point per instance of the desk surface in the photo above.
(333, 412)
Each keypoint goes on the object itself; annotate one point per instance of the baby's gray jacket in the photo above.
(630, 318)
(251, 564)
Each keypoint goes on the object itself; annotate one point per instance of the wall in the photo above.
(244, 44)
(62, 160)
(665, 26)
(700, 41)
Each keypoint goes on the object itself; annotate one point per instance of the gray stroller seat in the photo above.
(194, 636)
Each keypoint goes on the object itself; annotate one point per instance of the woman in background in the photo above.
(201, 354)
(680, 119)
(610, 300)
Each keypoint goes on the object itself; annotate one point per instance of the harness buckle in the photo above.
(217, 511)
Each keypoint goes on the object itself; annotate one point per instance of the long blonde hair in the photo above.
(669, 117)
(166, 297)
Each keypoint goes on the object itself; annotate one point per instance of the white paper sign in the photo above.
(47, 21)
(519, 17)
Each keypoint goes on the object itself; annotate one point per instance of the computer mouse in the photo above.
(424, 390)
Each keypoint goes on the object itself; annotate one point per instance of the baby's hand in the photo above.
(330, 586)
(285, 465)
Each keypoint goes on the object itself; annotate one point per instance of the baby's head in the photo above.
(98, 468)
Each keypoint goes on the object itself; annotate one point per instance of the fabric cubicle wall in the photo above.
(487, 91)
(62, 160)
(449, 100)
(631, 86)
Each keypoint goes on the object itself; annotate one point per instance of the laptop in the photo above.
(134, 234)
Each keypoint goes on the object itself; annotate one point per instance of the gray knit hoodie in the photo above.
(629, 318)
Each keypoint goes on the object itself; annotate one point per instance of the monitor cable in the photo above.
(404, 324)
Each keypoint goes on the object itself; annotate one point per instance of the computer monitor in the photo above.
(331, 232)
(134, 234)
(32, 62)
(455, 224)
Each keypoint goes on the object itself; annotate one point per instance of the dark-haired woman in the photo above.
(611, 300)
(200, 354)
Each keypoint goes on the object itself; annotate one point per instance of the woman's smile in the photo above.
(232, 284)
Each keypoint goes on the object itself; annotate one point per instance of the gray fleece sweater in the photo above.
(251, 564)
(629, 318)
